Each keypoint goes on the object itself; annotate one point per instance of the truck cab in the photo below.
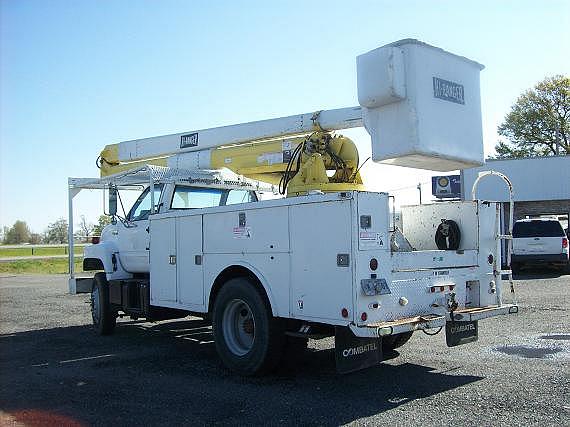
(123, 248)
(131, 235)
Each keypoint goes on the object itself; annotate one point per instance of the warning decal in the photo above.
(371, 239)
(242, 232)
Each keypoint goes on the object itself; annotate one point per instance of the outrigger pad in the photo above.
(458, 333)
(353, 353)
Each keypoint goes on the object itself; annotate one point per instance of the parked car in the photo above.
(539, 241)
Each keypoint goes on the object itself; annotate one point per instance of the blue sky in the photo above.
(77, 75)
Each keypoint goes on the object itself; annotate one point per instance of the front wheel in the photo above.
(104, 318)
(248, 338)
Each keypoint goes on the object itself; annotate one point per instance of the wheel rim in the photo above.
(238, 327)
(95, 305)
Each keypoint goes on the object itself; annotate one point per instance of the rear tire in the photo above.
(392, 342)
(104, 318)
(249, 340)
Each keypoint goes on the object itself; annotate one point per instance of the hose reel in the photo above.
(448, 235)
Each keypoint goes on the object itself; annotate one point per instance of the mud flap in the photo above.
(353, 353)
(458, 333)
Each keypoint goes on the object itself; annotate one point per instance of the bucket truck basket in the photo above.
(421, 106)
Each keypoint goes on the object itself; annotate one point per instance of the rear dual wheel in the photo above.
(248, 338)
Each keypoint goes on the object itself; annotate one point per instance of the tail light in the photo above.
(564, 242)
(95, 239)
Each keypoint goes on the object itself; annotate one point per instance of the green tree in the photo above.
(539, 121)
(57, 232)
(104, 220)
(18, 233)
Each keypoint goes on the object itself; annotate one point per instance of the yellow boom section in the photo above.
(319, 161)
(109, 164)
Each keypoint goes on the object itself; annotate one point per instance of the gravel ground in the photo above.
(54, 370)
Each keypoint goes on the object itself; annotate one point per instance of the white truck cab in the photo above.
(132, 236)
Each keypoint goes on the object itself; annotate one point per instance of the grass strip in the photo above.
(39, 266)
(38, 251)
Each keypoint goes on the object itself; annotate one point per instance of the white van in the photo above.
(539, 241)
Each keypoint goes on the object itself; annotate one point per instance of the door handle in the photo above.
(172, 259)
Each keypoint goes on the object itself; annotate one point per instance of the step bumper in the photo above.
(430, 321)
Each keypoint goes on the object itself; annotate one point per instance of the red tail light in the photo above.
(95, 239)
(564, 242)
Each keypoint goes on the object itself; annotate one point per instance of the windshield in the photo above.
(141, 208)
(538, 229)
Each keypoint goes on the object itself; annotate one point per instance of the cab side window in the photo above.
(193, 198)
(141, 209)
(240, 196)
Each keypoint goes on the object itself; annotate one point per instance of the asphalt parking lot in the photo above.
(54, 370)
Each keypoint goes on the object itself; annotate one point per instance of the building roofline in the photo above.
(528, 158)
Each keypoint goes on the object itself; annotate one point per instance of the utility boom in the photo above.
(330, 261)
(299, 164)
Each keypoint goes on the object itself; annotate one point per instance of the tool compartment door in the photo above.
(321, 284)
(163, 260)
(189, 249)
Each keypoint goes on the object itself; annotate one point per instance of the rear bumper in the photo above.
(540, 258)
(430, 321)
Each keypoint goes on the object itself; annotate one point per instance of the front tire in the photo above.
(249, 340)
(104, 318)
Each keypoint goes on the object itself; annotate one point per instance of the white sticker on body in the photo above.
(371, 238)
(242, 232)
(270, 158)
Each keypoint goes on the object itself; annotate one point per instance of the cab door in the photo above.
(133, 235)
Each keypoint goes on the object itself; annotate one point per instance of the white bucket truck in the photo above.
(327, 260)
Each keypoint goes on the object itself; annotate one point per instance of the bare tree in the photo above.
(85, 229)
(57, 232)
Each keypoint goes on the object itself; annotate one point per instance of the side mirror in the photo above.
(113, 201)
